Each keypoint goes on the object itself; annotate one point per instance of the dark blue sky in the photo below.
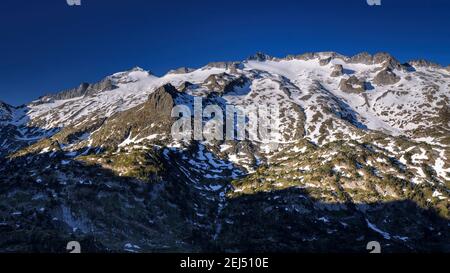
(46, 45)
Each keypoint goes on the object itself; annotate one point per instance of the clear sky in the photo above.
(47, 46)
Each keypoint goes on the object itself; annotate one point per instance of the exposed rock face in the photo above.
(135, 121)
(181, 70)
(388, 61)
(379, 58)
(352, 85)
(322, 56)
(303, 57)
(424, 63)
(70, 93)
(224, 83)
(232, 66)
(84, 89)
(386, 77)
(5, 112)
(260, 57)
(363, 58)
(104, 85)
(338, 70)
(382, 57)
(325, 61)
(162, 100)
(448, 68)
(238, 82)
(184, 86)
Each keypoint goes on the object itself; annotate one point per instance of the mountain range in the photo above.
(362, 155)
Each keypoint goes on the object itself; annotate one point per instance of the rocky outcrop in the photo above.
(232, 66)
(303, 57)
(387, 60)
(352, 85)
(5, 112)
(181, 70)
(104, 85)
(338, 70)
(184, 86)
(4, 106)
(224, 83)
(325, 61)
(386, 77)
(70, 93)
(130, 76)
(137, 120)
(379, 58)
(162, 100)
(84, 89)
(424, 63)
(260, 57)
(323, 57)
(362, 58)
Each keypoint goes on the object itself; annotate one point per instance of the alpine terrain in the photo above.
(362, 155)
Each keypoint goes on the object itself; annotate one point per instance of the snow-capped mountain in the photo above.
(363, 152)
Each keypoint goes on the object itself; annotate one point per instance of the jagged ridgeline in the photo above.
(362, 155)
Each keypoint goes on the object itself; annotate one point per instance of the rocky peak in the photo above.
(324, 57)
(387, 60)
(162, 99)
(304, 57)
(137, 69)
(84, 89)
(260, 57)
(129, 76)
(5, 112)
(232, 66)
(181, 70)
(382, 57)
(65, 94)
(106, 84)
(363, 58)
(4, 106)
(424, 63)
